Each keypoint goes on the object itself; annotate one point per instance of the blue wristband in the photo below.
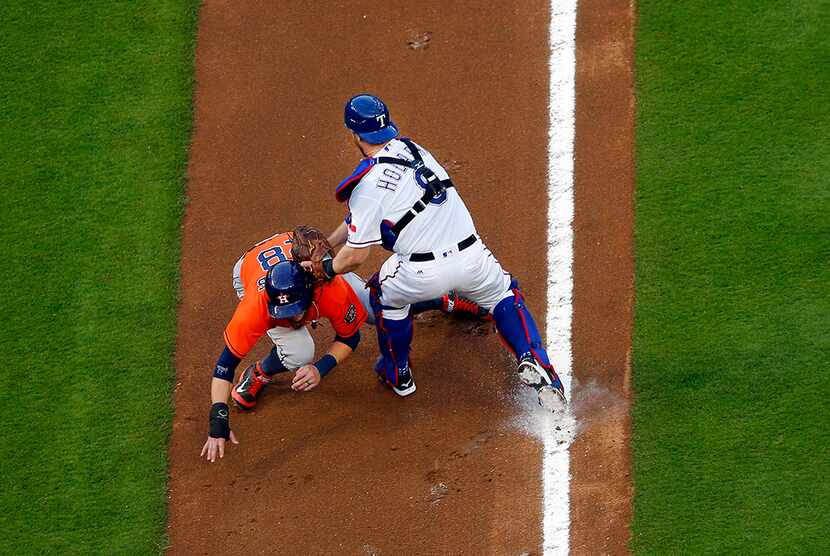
(325, 364)
(226, 365)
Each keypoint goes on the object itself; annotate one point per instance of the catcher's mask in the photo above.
(368, 116)
(289, 290)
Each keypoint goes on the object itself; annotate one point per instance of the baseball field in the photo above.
(147, 145)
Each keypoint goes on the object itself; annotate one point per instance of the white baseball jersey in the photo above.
(382, 191)
(388, 191)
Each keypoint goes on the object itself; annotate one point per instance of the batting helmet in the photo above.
(368, 116)
(289, 289)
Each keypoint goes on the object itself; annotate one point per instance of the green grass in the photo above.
(95, 112)
(731, 343)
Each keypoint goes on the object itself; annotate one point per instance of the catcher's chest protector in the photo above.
(426, 178)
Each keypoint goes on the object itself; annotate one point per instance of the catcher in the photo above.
(279, 298)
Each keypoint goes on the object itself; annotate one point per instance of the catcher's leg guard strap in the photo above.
(373, 286)
(516, 325)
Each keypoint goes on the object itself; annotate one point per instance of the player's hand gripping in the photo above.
(306, 378)
(220, 432)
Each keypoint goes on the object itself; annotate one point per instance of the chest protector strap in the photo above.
(426, 177)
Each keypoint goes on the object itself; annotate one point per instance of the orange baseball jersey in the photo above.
(334, 300)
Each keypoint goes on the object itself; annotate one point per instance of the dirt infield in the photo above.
(349, 468)
(603, 275)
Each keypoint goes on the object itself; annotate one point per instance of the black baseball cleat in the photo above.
(406, 384)
(251, 384)
(545, 381)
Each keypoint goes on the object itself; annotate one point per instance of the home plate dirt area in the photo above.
(350, 468)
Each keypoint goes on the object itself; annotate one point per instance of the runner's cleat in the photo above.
(454, 303)
(251, 384)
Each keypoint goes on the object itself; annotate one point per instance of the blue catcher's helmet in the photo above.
(289, 290)
(368, 116)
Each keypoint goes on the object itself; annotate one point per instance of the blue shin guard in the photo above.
(394, 339)
(516, 325)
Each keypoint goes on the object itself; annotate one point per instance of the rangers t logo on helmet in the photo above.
(368, 117)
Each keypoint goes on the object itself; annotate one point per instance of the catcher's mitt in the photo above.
(309, 244)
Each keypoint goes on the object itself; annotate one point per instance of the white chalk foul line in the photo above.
(556, 460)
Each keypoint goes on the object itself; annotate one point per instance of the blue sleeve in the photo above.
(226, 365)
